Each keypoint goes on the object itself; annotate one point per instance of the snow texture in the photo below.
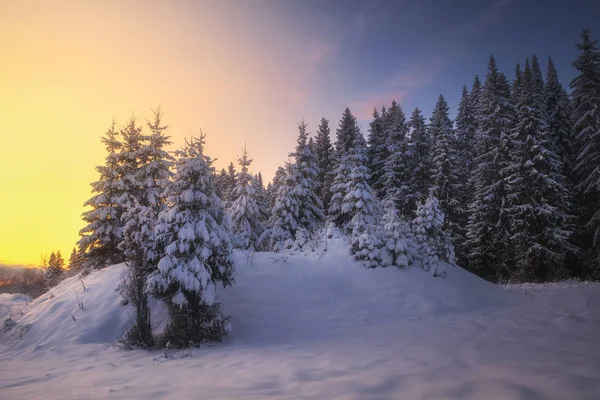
(319, 326)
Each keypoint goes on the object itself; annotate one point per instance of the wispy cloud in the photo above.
(318, 52)
(425, 68)
(363, 109)
(422, 71)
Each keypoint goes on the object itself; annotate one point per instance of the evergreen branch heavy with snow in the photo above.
(193, 251)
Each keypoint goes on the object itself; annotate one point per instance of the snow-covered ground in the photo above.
(13, 305)
(310, 327)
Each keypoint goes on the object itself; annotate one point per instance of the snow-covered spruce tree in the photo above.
(297, 206)
(262, 200)
(487, 227)
(396, 168)
(284, 215)
(434, 242)
(420, 147)
(339, 190)
(194, 252)
(537, 199)
(273, 187)
(585, 95)
(138, 252)
(348, 135)
(558, 111)
(221, 183)
(465, 134)
(155, 164)
(444, 174)
(324, 154)
(147, 175)
(101, 236)
(377, 151)
(76, 260)
(398, 238)
(73, 259)
(54, 270)
(474, 95)
(228, 184)
(359, 204)
(536, 72)
(246, 218)
(311, 208)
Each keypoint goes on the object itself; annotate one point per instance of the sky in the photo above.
(242, 71)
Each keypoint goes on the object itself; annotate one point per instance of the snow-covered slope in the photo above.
(318, 326)
(12, 305)
(55, 319)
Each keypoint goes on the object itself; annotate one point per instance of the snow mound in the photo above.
(318, 325)
(283, 297)
(76, 311)
(277, 298)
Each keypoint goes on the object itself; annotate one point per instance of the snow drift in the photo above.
(318, 325)
(276, 297)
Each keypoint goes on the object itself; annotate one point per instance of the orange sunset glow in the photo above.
(68, 67)
(311, 199)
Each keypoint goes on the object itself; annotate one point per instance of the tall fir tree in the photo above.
(395, 182)
(560, 126)
(229, 183)
(339, 190)
(536, 73)
(465, 133)
(421, 147)
(536, 193)
(434, 243)
(397, 236)
(487, 226)
(444, 173)
(324, 154)
(348, 138)
(246, 226)
(146, 166)
(377, 152)
(262, 200)
(515, 89)
(194, 252)
(346, 134)
(585, 95)
(475, 94)
(54, 270)
(284, 214)
(307, 169)
(360, 207)
(77, 259)
(298, 211)
(101, 236)
(273, 189)
(221, 181)
(157, 162)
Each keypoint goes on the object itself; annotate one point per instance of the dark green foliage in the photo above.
(194, 324)
(420, 146)
(585, 97)
(537, 199)
(486, 229)
(323, 150)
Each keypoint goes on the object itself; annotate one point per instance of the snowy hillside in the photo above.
(306, 326)
(12, 305)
